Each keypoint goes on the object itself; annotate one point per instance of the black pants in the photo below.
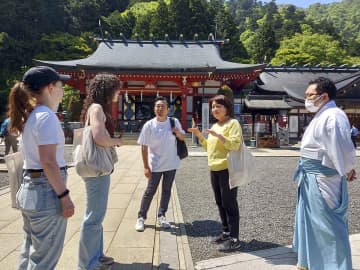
(168, 179)
(353, 138)
(10, 142)
(226, 200)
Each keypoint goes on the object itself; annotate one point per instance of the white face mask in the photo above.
(310, 105)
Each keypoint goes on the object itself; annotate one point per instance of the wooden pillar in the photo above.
(184, 108)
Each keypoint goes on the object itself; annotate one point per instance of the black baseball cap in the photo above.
(37, 77)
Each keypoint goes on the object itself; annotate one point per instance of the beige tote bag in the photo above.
(241, 166)
(14, 163)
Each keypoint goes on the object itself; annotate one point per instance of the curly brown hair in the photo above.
(102, 90)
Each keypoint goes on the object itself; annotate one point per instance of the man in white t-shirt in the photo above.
(160, 159)
(327, 163)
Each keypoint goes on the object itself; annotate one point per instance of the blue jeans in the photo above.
(44, 225)
(91, 234)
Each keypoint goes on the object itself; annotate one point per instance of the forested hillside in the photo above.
(257, 32)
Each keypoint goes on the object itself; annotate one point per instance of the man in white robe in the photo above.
(327, 163)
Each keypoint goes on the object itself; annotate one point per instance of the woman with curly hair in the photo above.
(97, 108)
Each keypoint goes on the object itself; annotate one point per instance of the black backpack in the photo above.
(182, 150)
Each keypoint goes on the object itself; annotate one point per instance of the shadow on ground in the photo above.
(138, 266)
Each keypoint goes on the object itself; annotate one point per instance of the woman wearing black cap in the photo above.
(43, 197)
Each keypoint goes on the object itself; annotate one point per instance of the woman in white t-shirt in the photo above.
(43, 197)
(103, 91)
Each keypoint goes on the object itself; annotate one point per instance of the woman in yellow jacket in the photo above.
(224, 136)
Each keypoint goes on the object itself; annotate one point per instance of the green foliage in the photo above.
(142, 27)
(63, 46)
(85, 14)
(61, 29)
(71, 102)
(264, 42)
(143, 8)
(342, 20)
(179, 14)
(160, 23)
(311, 49)
(143, 12)
(226, 91)
(117, 23)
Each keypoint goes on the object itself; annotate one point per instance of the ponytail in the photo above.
(20, 106)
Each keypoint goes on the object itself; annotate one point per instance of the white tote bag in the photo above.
(14, 163)
(241, 166)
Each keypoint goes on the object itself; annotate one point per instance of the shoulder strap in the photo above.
(87, 121)
(172, 122)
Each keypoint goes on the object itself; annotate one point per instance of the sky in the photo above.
(302, 3)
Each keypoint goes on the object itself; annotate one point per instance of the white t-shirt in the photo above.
(327, 138)
(160, 140)
(42, 127)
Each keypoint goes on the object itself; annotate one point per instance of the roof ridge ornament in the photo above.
(122, 36)
(151, 36)
(101, 31)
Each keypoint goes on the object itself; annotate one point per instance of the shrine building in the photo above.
(186, 72)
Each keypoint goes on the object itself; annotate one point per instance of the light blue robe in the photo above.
(321, 236)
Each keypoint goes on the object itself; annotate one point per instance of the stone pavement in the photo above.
(154, 248)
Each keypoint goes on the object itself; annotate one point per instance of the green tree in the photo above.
(179, 15)
(226, 91)
(291, 20)
(85, 14)
(226, 29)
(63, 46)
(142, 26)
(311, 49)
(71, 102)
(159, 25)
(200, 20)
(265, 42)
(117, 23)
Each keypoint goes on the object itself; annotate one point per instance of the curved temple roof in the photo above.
(293, 81)
(161, 56)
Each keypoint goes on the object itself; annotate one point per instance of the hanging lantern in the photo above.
(171, 97)
(141, 96)
(157, 94)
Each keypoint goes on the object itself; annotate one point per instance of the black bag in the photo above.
(182, 150)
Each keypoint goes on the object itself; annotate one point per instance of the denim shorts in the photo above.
(36, 194)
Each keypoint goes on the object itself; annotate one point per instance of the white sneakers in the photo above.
(163, 223)
(140, 226)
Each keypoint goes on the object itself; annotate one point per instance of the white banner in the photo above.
(205, 116)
